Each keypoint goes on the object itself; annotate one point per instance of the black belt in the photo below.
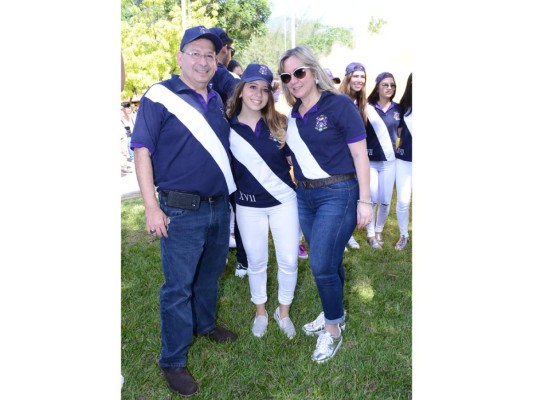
(317, 183)
(209, 199)
(189, 201)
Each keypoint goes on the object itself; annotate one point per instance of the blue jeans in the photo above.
(328, 218)
(193, 258)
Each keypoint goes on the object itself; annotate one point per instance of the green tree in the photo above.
(320, 38)
(375, 25)
(244, 19)
(151, 32)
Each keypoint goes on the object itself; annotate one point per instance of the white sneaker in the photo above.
(326, 347)
(285, 324)
(353, 243)
(232, 242)
(318, 326)
(259, 327)
(240, 271)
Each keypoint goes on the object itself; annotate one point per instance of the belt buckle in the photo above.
(211, 199)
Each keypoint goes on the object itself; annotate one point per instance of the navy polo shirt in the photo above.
(261, 170)
(405, 149)
(378, 142)
(180, 162)
(326, 129)
(223, 82)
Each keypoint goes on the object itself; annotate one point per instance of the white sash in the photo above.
(248, 156)
(197, 124)
(307, 162)
(381, 132)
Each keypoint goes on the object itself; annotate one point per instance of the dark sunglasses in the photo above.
(298, 73)
(231, 49)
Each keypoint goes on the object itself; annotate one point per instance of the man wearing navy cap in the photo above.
(181, 147)
(223, 81)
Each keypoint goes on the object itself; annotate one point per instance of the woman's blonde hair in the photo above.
(306, 56)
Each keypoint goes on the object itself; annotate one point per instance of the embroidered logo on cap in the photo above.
(321, 123)
(263, 70)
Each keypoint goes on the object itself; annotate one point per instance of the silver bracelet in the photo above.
(365, 202)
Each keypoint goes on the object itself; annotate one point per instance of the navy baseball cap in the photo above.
(257, 72)
(223, 36)
(384, 75)
(200, 32)
(332, 78)
(355, 66)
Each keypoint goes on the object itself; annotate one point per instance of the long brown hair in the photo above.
(276, 121)
(360, 96)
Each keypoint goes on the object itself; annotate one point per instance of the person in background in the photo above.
(181, 146)
(326, 137)
(265, 193)
(124, 140)
(224, 83)
(128, 121)
(335, 80)
(404, 158)
(354, 86)
(235, 68)
(383, 121)
(302, 251)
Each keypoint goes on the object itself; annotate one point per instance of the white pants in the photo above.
(232, 223)
(382, 177)
(283, 221)
(403, 194)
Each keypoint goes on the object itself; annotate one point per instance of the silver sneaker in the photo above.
(259, 327)
(401, 243)
(326, 347)
(353, 243)
(285, 324)
(374, 243)
(318, 326)
(379, 238)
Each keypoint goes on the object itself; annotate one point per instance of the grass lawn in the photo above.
(374, 361)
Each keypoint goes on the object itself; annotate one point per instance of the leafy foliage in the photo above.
(320, 38)
(152, 30)
(243, 19)
(323, 37)
(375, 25)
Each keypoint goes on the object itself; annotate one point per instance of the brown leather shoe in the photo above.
(220, 334)
(179, 380)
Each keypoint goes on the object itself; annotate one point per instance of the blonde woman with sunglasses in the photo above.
(326, 138)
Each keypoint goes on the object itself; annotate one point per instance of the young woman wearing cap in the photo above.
(384, 119)
(354, 86)
(265, 193)
(404, 158)
(325, 135)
